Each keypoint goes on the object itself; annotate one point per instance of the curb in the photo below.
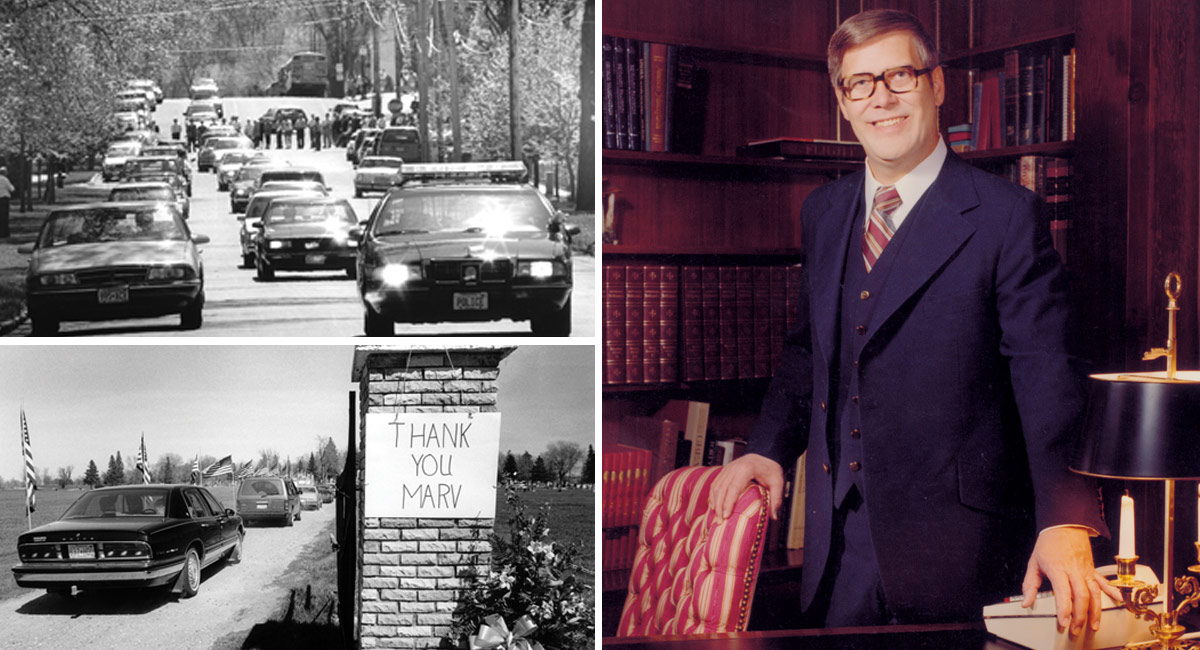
(13, 323)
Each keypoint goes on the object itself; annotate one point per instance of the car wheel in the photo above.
(193, 315)
(191, 573)
(352, 271)
(555, 324)
(376, 325)
(298, 513)
(43, 325)
(357, 193)
(235, 553)
(288, 520)
(263, 272)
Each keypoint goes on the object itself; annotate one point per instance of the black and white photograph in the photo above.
(324, 496)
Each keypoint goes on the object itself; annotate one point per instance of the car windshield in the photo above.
(260, 488)
(151, 223)
(293, 186)
(227, 143)
(133, 502)
(123, 149)
(236, 158)
(142, 194)
(462, 210)
(204, 93)
(150, 165)
(332, 214)
(248, 173)
(293, 175)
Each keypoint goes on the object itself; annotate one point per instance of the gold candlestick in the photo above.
(1172, 286)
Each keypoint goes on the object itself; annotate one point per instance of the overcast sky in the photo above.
(86, 402)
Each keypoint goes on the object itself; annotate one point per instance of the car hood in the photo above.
(305, 230)
(461, 245)
(86, 256)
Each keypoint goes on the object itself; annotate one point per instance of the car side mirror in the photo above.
(356, 234)
(571, 229)
(200, 239)
(258, 225)
(229, 512)
(25, 249)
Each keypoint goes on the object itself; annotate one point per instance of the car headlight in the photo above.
(166, 273)
(397, 274)
(239, 191)
(540, 269)
(58, 279)
(275, 244)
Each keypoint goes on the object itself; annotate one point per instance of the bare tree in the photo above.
(64, 476)
(561, 457)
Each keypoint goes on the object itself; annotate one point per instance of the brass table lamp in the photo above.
(1145, 426)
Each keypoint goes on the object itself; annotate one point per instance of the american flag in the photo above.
(143, 462)
(223, 466)
(195, 469)
(30, 472)
(245, 470)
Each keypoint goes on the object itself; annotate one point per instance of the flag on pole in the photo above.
(245, 469)
(30, 472)
(195, 470)
(223, 466)
(143, 462)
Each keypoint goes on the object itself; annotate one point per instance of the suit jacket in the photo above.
(970, 397)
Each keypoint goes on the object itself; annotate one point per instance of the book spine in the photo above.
(727, 316)
(795, 534)
(778, 316)
(1072, 96)
(658, 97)
(977, 129)
(614, 324)
(1026, 117)
(1038, 111)
(1054, 103)
(651, 321)
(744, 276)
(610, 128)
(794, 278)
(668, 327)
(1012, 98)
(634, 68)
(691, 327)
(711, 305)
(761, 314)
(606, 490)
(620, 85)
(670, 97)
(634, 317)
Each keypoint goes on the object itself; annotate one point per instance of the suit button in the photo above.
(822, 406)
(861, 329)
(854, 398)
(825, 466)
(855, 434)
(864, 295)
(856, 363)
(855, 466)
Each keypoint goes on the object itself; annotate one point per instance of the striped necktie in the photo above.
(878, 234)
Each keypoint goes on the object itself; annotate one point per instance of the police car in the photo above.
(465, 242)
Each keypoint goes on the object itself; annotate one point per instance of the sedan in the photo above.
(103, 261)
(245, 181)
(377, 174)
(310, 499)
(466, 242)
(306, 234)
(206, 160)
(132, 537)
(115, 157)
(228, 163)
(151, 191)
(253, 214)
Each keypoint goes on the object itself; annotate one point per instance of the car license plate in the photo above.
(470, 301)
(111, 295)
(261, 506)
(81, 552)
(314, 258)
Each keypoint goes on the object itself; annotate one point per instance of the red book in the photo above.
(634, 307)
(651, 323)
(614, 324)
(655, 434)
(691, 324)
(711, 320)
(744, 277)
(668, 326)
(762, 320)
(657, 98)
(727, 286)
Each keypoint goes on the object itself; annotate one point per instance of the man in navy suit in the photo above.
(932, 381)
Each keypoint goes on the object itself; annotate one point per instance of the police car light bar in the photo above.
(510, 170)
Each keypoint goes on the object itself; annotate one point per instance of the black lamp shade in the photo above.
(1141, 429)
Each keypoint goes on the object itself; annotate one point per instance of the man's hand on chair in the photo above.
(736, 477)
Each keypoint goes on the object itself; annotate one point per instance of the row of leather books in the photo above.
(666, 323)
(1051, 179)
(653, 96)
(1030, 100)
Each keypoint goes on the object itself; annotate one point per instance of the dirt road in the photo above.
(232, 598)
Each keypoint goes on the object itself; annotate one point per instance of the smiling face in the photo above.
(897, 131)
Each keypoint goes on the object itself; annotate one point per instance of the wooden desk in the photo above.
(894, 637)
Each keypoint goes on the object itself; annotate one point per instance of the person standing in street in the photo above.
(175, 129)
(300, 126)
(279, 132)
(315, 132)
(6, 192)
(265, 127)
(191, 136)
(327, 130)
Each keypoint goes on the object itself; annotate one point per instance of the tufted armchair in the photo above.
(692, 575)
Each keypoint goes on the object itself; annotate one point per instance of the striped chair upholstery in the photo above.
(692, 575)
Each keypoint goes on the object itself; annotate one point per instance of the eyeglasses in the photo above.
(898, 81)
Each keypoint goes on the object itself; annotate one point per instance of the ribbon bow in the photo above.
(494, 634)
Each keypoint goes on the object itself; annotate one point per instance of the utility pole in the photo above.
(449, 27)
(421, 42)
(377, 102)
(514, 95)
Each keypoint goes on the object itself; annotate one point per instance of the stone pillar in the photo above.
(411, 568)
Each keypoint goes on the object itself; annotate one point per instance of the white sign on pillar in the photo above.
(436, 465)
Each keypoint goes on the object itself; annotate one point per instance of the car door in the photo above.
(200, 512)
(228, 522)
(293, 497)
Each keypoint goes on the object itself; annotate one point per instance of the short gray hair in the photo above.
(868, 25)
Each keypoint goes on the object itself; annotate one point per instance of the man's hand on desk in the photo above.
(736, 476)
(1064, 555)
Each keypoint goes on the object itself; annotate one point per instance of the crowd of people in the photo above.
(302, 132)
